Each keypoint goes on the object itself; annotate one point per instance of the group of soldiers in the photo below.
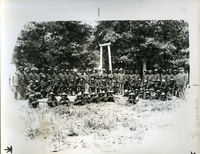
(97, 85)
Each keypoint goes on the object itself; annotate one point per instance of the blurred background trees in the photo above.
(163, 44)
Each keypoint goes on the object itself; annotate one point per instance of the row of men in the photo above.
(73, 82)
(102, 96)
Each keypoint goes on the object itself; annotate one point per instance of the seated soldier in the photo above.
(101, 95)
(64, 100)
(141, 93)
(94, 98)
(37, 89)
(152, 93)
(72, 88)
(52, 101)
(110, 97)
(33, 102)
(157, 95)
(86, 98)
(126, 93)
(147, 95)
(92, 87)
(131, 98)
(30, 89)
(79, 99)
(163, 97)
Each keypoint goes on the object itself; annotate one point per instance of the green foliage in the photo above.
(158, 41)
(75, 44)
(54, 44)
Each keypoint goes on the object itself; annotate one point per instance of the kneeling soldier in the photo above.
(64, 100)
(52, 101)
(86, 98)
(147, 95)
(163, 97)
(33, 102)
(102, 96)
(79, 99)
(94, 98)
(131, 98)
(110, 97)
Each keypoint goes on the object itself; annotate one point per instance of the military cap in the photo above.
(32, 69)
(155, 70)
(114, 81)
(49, 69)
(147, 92)
(172, 79)
(51, 93)
(31, 81)
(158, 91)
(36, 81)
(150, 71)
(120, 69)
(116, 69)
(131, 94)
(163, 80)
(139, 79)
(145, 70)
(125, 90)
(86, 93)
(42, 69)
(92, 94)
(49, 81)
(79, 94)
(67, 70)
(154, 80)
(151, 89)
(63, 94)
(163, 71)
(25, 68)
(32, 95)
(72, 80)
(136, 89)
(145, 80)
(162, 93)
(175, 70)
(158, 80)
(20, 67)
(102, 92)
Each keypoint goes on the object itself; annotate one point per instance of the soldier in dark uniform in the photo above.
(94, 98)
(26, 76)
(64, 100)
(157, 95)
(37, 89)
(56, 81)
(30, 89)
(48, 74)
(21, 82)
(52, 101)
(42, 74)
(163, 97)
(86, 98)
(145, 76)
(32, 75)
(156, 75)
(79, 99)
(101, 96)
(33, 102)
(131, 98)
(81, 86)
(36, 74)
(164, 76)
(72, 87)
(147, 95)
(67, 77)
(92, 86)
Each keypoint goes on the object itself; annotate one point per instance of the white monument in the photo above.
(109, 56)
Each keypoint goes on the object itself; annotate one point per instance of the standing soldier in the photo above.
(56, 81)
(169, 75)
(49, 75)
(137, 75)
(67, 77)
(145, 76)
(36, 74)
(156, 75)
(164, 76)
(21, 82)
(87, 80)
(121, 81)
(26, 75)
(31, 75)
(42, 73)
(181, 82)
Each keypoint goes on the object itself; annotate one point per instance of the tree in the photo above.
(133, 41)
(54, 44)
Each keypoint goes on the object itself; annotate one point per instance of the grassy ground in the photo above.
(93, 126)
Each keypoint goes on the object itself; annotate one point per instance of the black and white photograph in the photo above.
(99, 84)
